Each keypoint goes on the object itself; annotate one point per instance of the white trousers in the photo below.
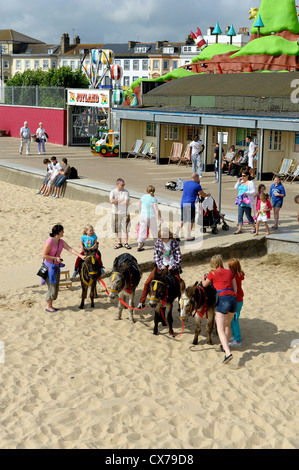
(27, 143)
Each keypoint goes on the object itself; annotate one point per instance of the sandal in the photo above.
(237, 232)
(126, 245)
(119, 245)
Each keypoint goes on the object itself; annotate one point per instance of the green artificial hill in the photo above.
(177, 73)
(277, 16)
(269, 45)
(215, 49)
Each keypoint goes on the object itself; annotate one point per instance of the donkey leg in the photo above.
(168, 315)
(93, 294)
(197, 329)
(131, 304)
(156, 321)
(83, 296)
(210, 323)
(120, 306)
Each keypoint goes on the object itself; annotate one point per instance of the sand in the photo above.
(79, 379)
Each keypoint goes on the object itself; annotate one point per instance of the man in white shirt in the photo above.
(25, 138)
(252, 151)
(119, 199)
(197, 148)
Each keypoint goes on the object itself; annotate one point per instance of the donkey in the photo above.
(125, 277)
(164, 289)
(90, 271)
(202, 301)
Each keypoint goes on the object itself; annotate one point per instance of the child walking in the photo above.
(277, 193)
(235, 267)
(261, 189)
(90, 243)
(263, 212)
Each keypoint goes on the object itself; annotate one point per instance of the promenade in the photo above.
(98, 176)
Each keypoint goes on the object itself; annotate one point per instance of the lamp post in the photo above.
(222, 139)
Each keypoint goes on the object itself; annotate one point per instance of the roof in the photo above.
(235, 84)
(14, 36)
(122, 49)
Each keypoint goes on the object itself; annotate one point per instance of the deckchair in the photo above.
(292, 176)
(176, 152)
(144, 151)
(186, 157)
(136, 148)
(284, 168)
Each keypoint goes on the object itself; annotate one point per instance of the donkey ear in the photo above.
(155, 269)
(182, 285)
(195, 284)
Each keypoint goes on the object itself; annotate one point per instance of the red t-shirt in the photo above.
(222, 279)
(240, 293)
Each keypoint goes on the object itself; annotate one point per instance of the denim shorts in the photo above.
(226, 304)
(277, 204)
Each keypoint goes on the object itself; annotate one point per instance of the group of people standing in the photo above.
(25, 136)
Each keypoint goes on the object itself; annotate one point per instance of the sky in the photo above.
(117, 21)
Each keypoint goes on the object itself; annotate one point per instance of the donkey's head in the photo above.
(188, 302)
(117, 282)
(158, 287)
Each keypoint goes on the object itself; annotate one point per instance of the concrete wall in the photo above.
(55, 121)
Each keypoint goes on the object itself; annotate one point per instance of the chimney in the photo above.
(65, 43)
(159, 44)
(131, 44)
(77, 40)
(189, 40)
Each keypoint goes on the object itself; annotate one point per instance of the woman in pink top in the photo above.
(51, 255)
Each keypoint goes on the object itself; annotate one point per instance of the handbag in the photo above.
(37, 139)
(43, 271)
(246, 200)
(239, 200)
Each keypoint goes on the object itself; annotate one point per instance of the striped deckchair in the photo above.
(292, 176)
(186, 158)
(176, 152)
(144, 151)
(284, 168)
(136, 148)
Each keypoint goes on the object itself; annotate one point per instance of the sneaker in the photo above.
(38, 192)
(227, 359)
(75, 273)
(102, 271)
(140, 305)
(215, 181)
(56, 197)
(234, 343)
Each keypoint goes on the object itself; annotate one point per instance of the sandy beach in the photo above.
(78, 379)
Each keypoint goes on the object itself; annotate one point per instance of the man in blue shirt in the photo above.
(191, 190)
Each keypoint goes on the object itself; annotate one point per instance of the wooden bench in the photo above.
(65, 280)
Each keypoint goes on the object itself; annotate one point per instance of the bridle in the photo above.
(113, 279)
(155, 286)
(91, 273)
(204, 308)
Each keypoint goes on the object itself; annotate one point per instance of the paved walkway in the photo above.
(101, 174)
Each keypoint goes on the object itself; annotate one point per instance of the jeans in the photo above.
(234, 326)
(247, 210)
(196, 164)
(41, 143)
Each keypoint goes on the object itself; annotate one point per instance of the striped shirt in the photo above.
(175, 251)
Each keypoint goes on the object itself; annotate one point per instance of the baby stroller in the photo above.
(210, 215)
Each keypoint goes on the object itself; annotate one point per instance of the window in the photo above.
(296, 149)
(156, 65)
(126, 64)
(171, 132)
(135, 78)
(64, 63)
(165, 64)
(117, 62)
(18, 64)
(175, 64)
(27, 64)
(73, 66)
(36, 64)
(135, 64)
(193, 131)
(45, 64)
(241, 136)
(145, 64)
(53, 64)
(140, 49)
(126, 81)
(151, 129)
(275, 141)
(6, 64)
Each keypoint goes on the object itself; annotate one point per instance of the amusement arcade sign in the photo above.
(89, 97)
